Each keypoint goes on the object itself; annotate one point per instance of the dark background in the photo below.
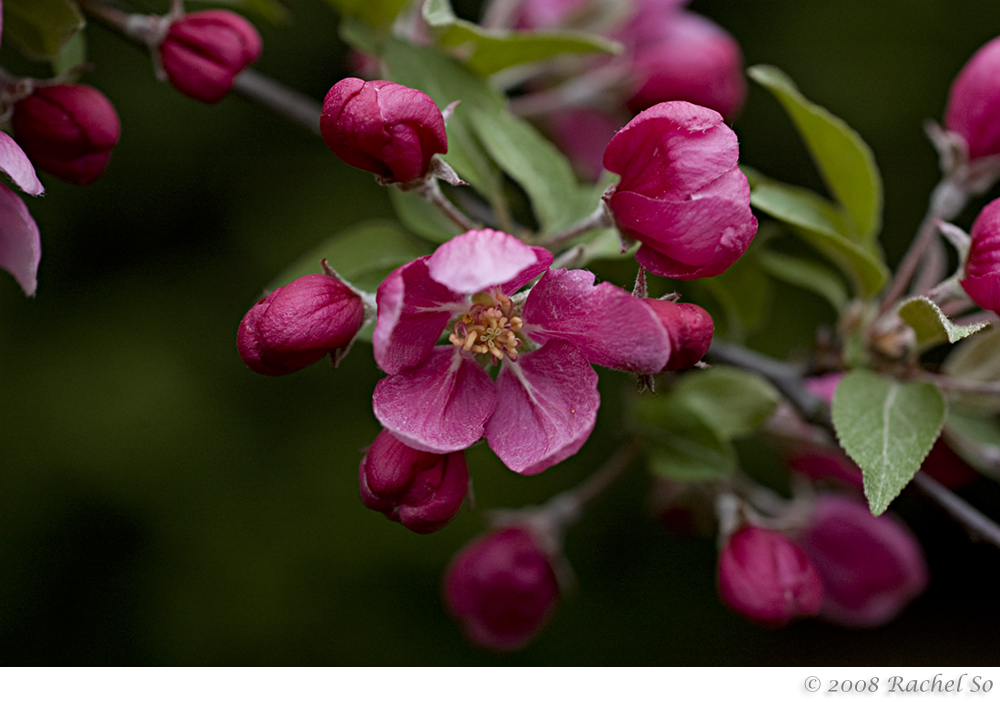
(161, 504)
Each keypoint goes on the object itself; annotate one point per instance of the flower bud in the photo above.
(298, 324)
(681, 192)
(204, 51)
(871, 567)
(982, 268)
(689, 328)
(502, 588)
(766, 577)
(692, 59)
(67, 130)
(973, 109)
(384, 128)
(422, 491)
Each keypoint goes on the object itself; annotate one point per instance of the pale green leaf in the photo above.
(72, 54)
(931, 325)
(887, 427)
(489, 51)
(374, 13)
(976, 438)
(734, 401)
(421, 217)
(41, 28)
(681, 444)
(743, 292)
(977, 359)
(807, 274)
(818, 221)
(844, 160)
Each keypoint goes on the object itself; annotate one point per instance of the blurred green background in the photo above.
(161, 504)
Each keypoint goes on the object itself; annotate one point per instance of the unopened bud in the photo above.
(973, 109)
(766, 577)
(384, 128)
(689, 328)
(420, 490)
(67, 130)
(298, 324)
(871, 567)
(204, 51)
(982, 268)
(502, 588)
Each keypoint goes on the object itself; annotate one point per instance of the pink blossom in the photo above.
(298, 324)
(691, 59)
(20, 243)
(204, 51)
(973, 109)
(67, 130)
(502, 588)
(766, 577)
(871, 567)
(384, 128)
(681, 192)
(543, 405)
(982, 268)
(690, 329)
(422, 491)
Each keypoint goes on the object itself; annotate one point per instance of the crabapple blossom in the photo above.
(383, 127)
(422, 491)
(502, 588)
(543, 405)
(871, 567)
(298, 324)
(681, 192)
(203, 52)
(20, 242)
(67, 130)
(982, 267)
(690, 329)
(973, 109)
(766, 577)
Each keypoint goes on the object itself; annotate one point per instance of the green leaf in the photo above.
(931, 325)
(421, 217)
(73, 54)
(271, 10)
(41, 28)
(743, 292)
(844, 160)
(817, 221)
(807, 274)
(682, 445)
(363, 254)
(977, 359)
(374, 13)
(733, 401)
(976, 438)
(535, 163)
(489, 51)
(447, 81)
(887, 427)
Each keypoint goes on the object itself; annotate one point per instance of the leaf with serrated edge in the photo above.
(843, 158)
(887, 427)
(931, 325)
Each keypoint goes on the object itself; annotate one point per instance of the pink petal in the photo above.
(413, 310)
(546, 409)
(440, 405)
(20, 243)
(15, 163)
(609, 326)
(483, 258)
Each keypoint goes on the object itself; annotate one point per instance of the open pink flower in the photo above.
(543, 405)
(20, 243)
(681, 192)
(982, 268)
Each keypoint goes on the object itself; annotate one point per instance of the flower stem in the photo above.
(598, 219)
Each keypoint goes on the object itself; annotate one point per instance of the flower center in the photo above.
(489, 327)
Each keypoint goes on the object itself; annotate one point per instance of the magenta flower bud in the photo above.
(982, 268)
(681, 192)
(204, 51)
(973, 109)
(766, 577)
(422, 491)
(689, 328)
(502, 588)
(871, 567)
(67, 130)
(384, 128)
(298, 324)
(694, 60)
